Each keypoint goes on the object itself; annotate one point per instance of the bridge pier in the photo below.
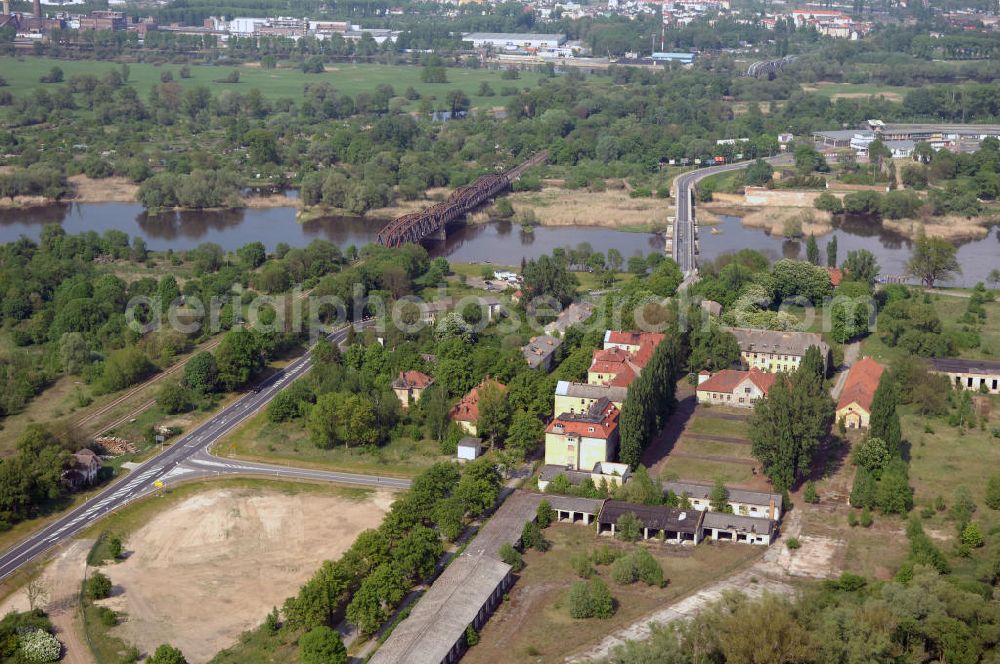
(439, 234)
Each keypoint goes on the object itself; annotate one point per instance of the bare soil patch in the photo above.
(210, 568)
(103, 190)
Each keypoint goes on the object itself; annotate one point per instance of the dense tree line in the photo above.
(650, 399)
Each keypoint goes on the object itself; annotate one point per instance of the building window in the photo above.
(968, 381)
(742, 400)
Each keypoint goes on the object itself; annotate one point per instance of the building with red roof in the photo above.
(580, 441)
(466, 412)
(409, 386)
(623, 357)
(855, 403)
(836, 275)
(730, 387)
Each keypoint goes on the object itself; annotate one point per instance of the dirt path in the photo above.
(718, 439)
(200, 574)
(819, 558)
(715, 457)
(851, 352)
(62, 578)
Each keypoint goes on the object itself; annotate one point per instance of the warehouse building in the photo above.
(514, 41)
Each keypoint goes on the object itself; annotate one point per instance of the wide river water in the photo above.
(503, 243)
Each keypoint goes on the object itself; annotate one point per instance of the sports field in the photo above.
(23, 74)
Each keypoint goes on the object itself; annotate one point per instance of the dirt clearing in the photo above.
(61, 581)
(206, 570)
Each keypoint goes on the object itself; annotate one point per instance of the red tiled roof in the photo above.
(728, 380)
(631, 338)
(581, 424)
(467, 410)
(836, 275)
(415, 379)
(862, 381)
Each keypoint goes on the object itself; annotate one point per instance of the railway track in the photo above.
(415, 226)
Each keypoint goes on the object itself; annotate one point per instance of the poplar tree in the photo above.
(884, 421)
(831, 252)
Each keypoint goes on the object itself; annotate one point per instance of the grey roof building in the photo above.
(540, 352)
(738, 528)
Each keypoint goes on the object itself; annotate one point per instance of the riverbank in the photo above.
(772, 220)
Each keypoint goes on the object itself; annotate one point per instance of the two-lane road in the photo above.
(684, 226)
(190, 451)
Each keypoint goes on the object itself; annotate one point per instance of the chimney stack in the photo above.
(38, 8)
(6, 7)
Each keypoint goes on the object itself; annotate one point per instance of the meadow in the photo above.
(23, 73)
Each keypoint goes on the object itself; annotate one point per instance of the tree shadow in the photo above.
(663, 443)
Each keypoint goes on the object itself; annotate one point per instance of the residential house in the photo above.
(836, 276)
(854, 406)
(775, 350)
(83, 471)
(409, 386)
(730, 387)
(540, 352)
(745, 502)
(466, 412)
(582, 440)
(611, 474)
(979, 375)
(672, 524)
(579, 397)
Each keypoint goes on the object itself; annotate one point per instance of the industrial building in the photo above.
(514, 41)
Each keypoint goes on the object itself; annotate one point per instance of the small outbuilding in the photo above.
(470, 448)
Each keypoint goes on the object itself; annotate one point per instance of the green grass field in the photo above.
(716, 426)
(22, 74)
(260, 440)
(891, 92)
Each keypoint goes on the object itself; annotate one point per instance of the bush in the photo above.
(40, 646)
(624, 570)
(322, 645)
(512, 557)
(810, 495)
(827, 202)
(793, 543)
(531, 537)
(852, 519)
(590, 599)
(972, 537)
(98, 586)
(545, 514)
(993, 492)
(582, 566)
(866, 518)
(107, 617)
(605, 555)
(628, 528)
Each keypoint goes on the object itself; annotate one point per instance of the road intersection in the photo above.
(189, 458)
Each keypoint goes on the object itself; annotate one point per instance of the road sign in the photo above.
(160, 439)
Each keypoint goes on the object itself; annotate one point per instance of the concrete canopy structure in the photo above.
(748, 529)
(745, 502)
(969, 374)
(676, 525)
(434, 633)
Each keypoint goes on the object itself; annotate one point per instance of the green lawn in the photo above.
(707, 471)
(698, 446)
(716, 426)
(832, 89)
(22, 75)
(260, 440)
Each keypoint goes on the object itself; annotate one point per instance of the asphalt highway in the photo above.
(188, 456)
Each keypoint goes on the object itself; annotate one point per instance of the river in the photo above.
(503, 243)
